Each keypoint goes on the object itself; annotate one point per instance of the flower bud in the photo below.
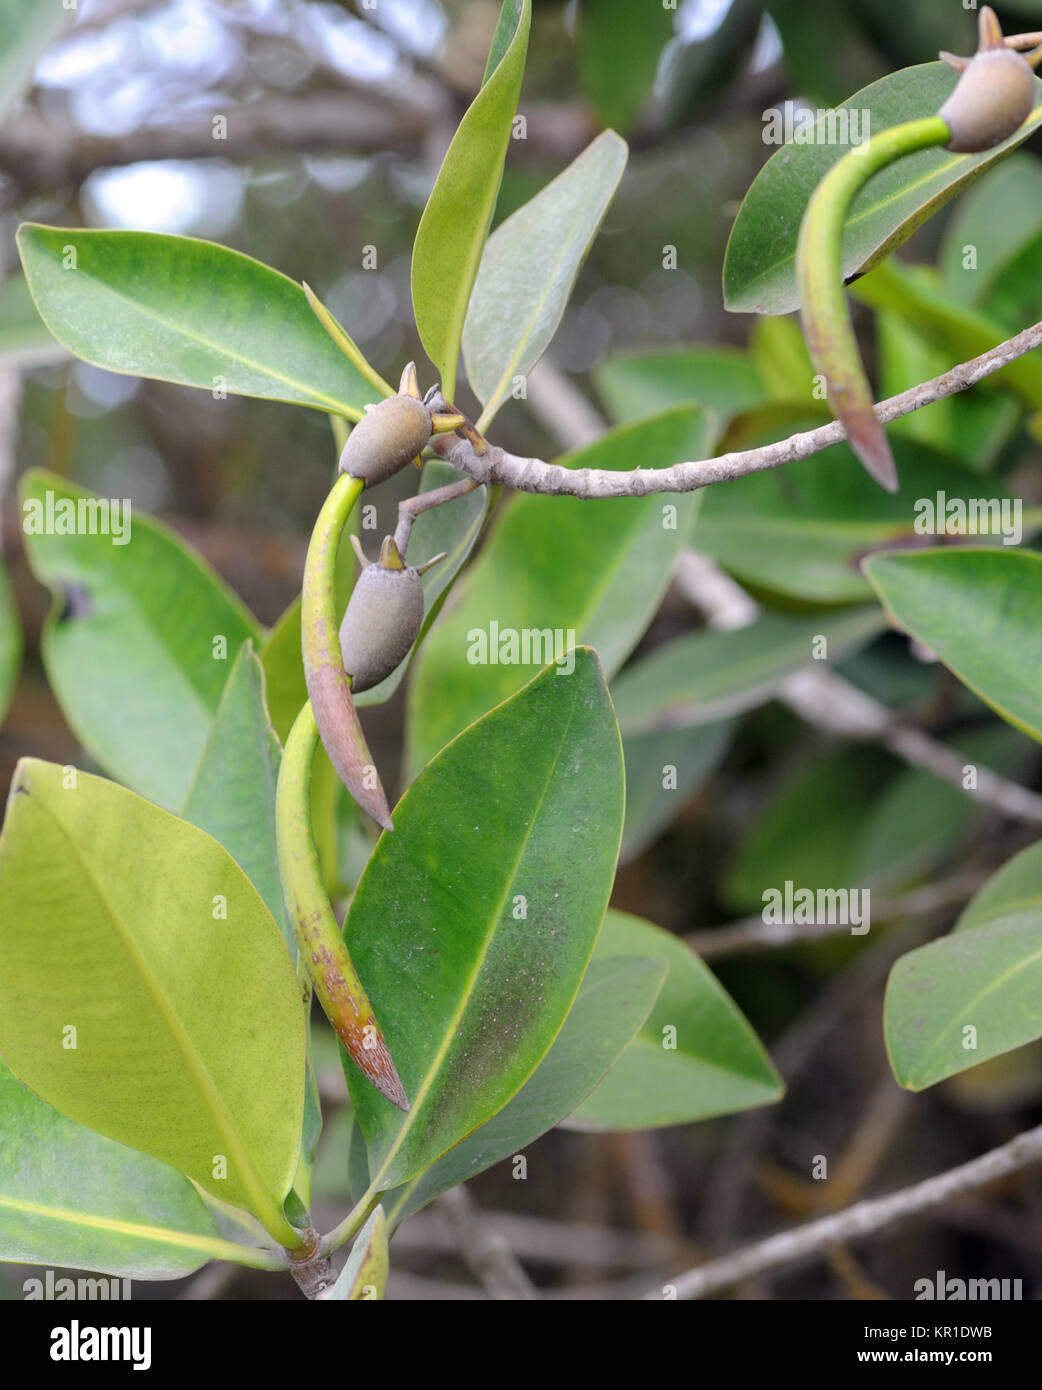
(383, 618)
(993, 97)
(387, 437)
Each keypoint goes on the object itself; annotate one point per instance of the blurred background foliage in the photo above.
(332, 120)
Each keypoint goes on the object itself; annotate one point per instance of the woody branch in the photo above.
(497, 466)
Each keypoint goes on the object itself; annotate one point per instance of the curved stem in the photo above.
(329, 686)
(352, 1222)
(826, 322)
(320, 941)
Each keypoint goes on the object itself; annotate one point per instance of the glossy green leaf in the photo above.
(232, 794)
(978, 611)
(586, 571)
(1016, 887)
(615, 999)
(177, 309)
(803, 530)
(71, 1198)
(994, 222)
(705, 676)
(140, 934)
(664, 770)
(27, 27)
(696, 1055)
(620, 44)
(131, 644)
(760, 268)
(528, 270)
(452, 231)
(970, 996)
(364, 1276)
(495, 881)
(24, 338)
(721, 380)
(452, 528)
(10, 642)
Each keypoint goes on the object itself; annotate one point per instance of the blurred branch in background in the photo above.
(856, 1222)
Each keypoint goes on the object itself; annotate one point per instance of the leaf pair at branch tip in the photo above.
(992, 100)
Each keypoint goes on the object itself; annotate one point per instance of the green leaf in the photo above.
(454, 528)
(1013, 299)
(978, 611)
(526, 804)
(916, 294)
(591, 572)
(1016, 887)
(189, 1035)
(696, 1055)
(802, 530)
(10, 642)
(177, 309)
(129, 644)
(455, 222)
(759, 266)
(285, 689)
(704, 676)
(364, 1276)
(722, 380)
(620, 44)
(613, 1002)
(652, 801)
(780, 353)
(28, 28)
(71, 1198)
(988, 980)
(809, 833)
(989, 227)
(24, 339)
(528, 270)
(232, 794)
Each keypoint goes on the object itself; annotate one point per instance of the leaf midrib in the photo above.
(495, 397)
(213, 1246)
(996, 983)
(465, 998)
(885, 202)
(310, 392)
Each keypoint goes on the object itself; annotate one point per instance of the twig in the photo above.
(856, 1222)
(487, 1254)
(496, 465)
(538, 1240)
(826, 701)
(754, 934)
(792, 1053)
(411, 508)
